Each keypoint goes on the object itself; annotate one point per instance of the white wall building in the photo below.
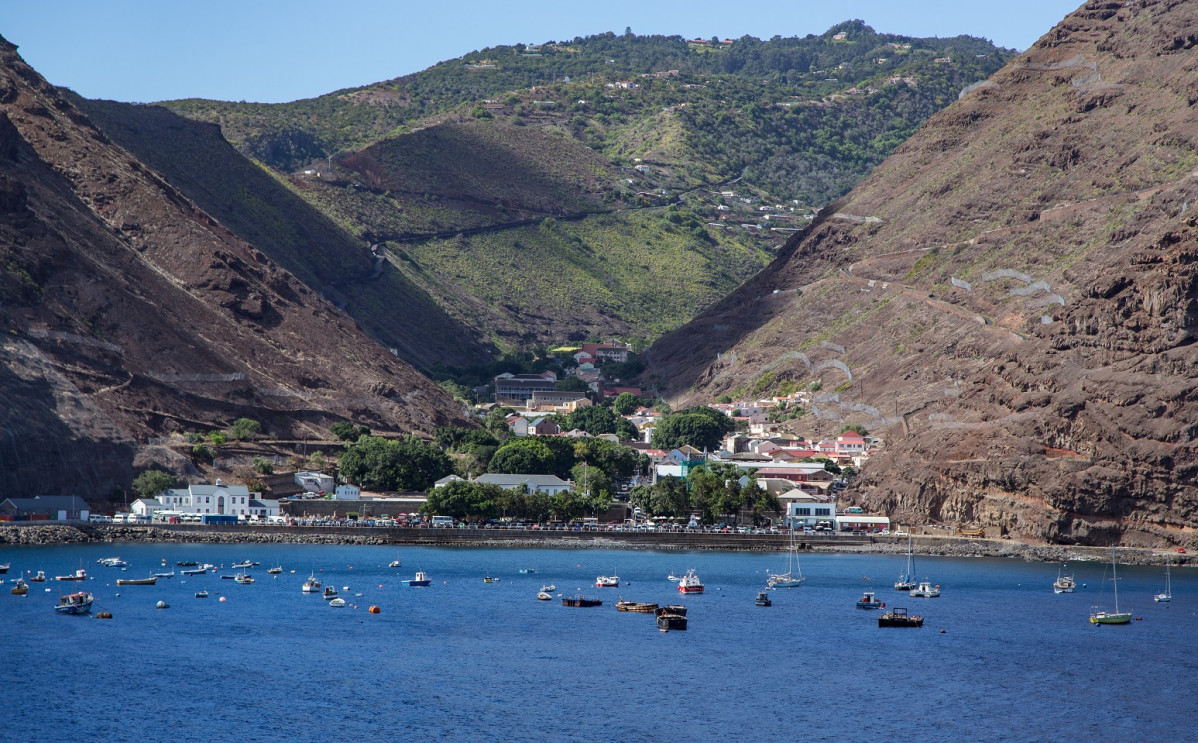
(347, 492)
(218, 498)
(314, 482)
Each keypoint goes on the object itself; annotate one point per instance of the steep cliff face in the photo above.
(1010, 300)
(128, 312)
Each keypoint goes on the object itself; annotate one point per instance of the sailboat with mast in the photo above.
(793, 577)
(1168, 594)
(906, 580)
(1108, 617)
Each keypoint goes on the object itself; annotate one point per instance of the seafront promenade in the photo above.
(49, 534)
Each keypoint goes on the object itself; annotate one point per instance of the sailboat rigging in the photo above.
(1107, 617)
(906, 580)
(1168, 594)
(793, 576)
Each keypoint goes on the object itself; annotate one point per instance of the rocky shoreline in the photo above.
(59, 534)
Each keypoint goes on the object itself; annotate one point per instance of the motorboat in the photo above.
(489, 579)
(201, 594)
(898, 617)
(607, 581)
(171, 574)
(194, 571)
(277, 569)
(421, 579)
(1064, 583)
(330, 593)
(635, 606)
(544, 596)
(580, 601)
(243, 579)
(763, 599)
(136, 581)
(869, 601)
(395, 564)
(21, 588)
(527, 571)
(690, 583)
(337, 603)
(242, 565)
(312, 585)
(113, 562)
(74, 603)
(187, 564)
(79, 574)
(4, 568)
(39, 578)
(671, 617)
(925, 590)
(549, 588)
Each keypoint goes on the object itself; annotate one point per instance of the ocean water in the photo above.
(467, 660)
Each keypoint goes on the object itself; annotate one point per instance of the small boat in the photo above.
(869, 601)
(171, 574)
(690, 583)
(421, 579)
(1160, 597)
(21, 588)
(4, 568)
(549, 588)
(673, 578)
(527, 571)
(187, 564)
(394, 564)
(1111, 617)
(544, 596)
(607, 581)
(671, 617)
(228, 577)
(763, 599)
(1064, 583)
(201, 594)
(330, 593)
(898, 617)
(489, 579)
(312, 585)
(925, 590)
(275, 570)
(337, 603)
(243, 579)
(79, 574)
(162, 605)
(74, 603)
(906, 580)
(635, 606)
(113, 562)
(39, 578)
(580, 601)
(242, 565)
(136, 581)
(793, 577)
(194, 571)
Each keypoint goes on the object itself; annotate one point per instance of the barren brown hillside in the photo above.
(129, 313)
(1015, 294)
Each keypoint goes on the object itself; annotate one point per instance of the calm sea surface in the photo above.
(463, 659)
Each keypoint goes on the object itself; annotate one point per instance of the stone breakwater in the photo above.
(30, 535)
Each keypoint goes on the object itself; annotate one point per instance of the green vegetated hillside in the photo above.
(606, 185)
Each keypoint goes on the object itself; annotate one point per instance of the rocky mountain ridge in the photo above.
(129, 314)
(1010, 299)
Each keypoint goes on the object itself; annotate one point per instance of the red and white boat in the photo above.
(690, 583)
(607, 581)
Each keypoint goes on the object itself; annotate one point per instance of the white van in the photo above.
(442, 521)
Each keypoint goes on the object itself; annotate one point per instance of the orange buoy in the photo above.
(373, 610)
(222, 599)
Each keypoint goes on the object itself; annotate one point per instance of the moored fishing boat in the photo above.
(4, 568)
(898, 617)
(21, 588)
(171, 574)
(607, 581)
(635, 606)
(275, 570)
(243, 579)
(330, 593)
(925, 590)
(544, 596)
(40, 577)
(194, 571)
(1064, 583)
(74, 603)
(201, 594)
(421, 579)
(312, 585)
(580, 601)
(136, 581)
(763, 599)
(671, 617)
(79, 574)
(869, 601)
(690, 583)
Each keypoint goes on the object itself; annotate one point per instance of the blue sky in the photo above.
(281, 50)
